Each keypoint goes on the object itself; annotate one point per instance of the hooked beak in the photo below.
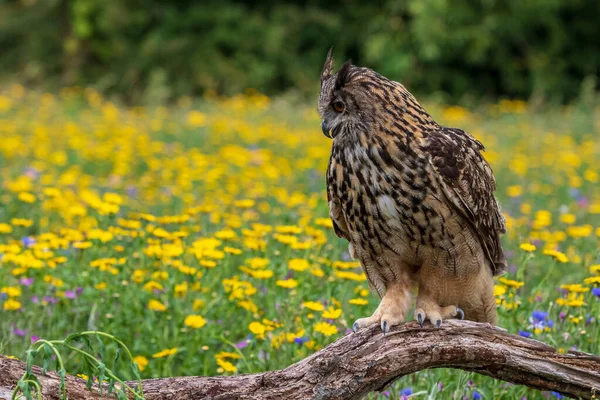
(327, 131)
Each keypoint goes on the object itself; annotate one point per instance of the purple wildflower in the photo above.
(69, 294)
(50, 299)
(34, 339)
(242, 344)
(18, 332)
(26, 281)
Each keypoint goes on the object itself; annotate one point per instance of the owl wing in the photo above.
(340, 227)
(468, 182)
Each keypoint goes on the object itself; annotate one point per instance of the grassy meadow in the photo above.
(198, 233)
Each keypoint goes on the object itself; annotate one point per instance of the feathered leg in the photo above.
(391, 310)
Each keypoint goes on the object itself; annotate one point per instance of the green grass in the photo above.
(178, 205)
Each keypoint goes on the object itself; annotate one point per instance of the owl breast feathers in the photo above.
(414, 199)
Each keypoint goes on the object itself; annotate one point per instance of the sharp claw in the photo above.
(355, 327)
(384, 327)
(438, 323)
(460, 313)
(420, 319)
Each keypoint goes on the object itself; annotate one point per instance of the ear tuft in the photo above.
(328, 67)
(343, 75)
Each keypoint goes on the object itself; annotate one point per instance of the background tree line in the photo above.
(157, 49)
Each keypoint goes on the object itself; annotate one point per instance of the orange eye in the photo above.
(338, 106)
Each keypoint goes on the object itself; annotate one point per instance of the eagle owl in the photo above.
(414, 199)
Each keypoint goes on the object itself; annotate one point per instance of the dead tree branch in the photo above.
(368, 361)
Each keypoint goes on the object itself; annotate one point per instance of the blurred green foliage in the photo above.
(165, 49)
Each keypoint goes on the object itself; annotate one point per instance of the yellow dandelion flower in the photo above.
(11, 291)
(580, 231)
(499, 290)
(568, 218)
(5, 228)
(353, 276)
(514, 191)
(232, 250)
(325, 328)
(196, 119)
(288, 229)
(247, 203)
(511, 283)
(528, 247)
(560, 257)
(258, 262)
(318, 272)
(257, 328)
(11, 305)
(112, 198)
(298, 264)
(165, 353)
(141, 361)
(21, 222)
(313, 305)
(575, 288)
(226, 234)
(324, 222)
(226, 366)
(194, 321)
(592, 280)
(288, 283)
(332, 313)
(198, 304)
(26, 197)
(359, 302)
(261, 274)
(156, 305)
(595, 269)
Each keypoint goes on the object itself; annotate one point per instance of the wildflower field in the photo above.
(198, 233)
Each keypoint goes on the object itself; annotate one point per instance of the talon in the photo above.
(420, 319)
(438, 323)
(355, 327)
(384, 327)
(460, 313)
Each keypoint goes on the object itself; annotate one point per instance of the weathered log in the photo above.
(367, 361)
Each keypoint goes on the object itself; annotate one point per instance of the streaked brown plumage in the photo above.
(414, 199)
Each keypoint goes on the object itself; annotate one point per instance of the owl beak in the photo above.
(326, 131)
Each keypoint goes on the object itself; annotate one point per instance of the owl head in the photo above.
(344, 101)
(354, 98)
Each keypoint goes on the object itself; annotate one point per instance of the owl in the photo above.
(414, 199)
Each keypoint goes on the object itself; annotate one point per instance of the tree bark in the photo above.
(367, 361)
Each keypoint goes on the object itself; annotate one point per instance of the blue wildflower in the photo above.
(476, 395)
(300, 340)
(596, 291)
(557, 395)
(406, 392)
(539, 315)
(28, 241)
(525, 333)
